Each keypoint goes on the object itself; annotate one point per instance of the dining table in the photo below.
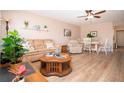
(96, 44)
(93, 43)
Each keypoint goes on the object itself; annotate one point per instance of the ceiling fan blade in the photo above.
(81, 16)
(97, 16)
(90, 10)
(99, 12)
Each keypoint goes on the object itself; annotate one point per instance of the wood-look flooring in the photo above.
(92, 67)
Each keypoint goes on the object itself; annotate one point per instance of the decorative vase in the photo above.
(57, 51)
(26, 24)
(45, 28)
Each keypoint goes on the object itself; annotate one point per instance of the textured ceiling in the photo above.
(70, 16)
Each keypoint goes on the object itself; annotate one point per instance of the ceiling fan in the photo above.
(90, 14)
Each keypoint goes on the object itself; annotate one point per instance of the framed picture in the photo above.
(67, 32)
(94, 33)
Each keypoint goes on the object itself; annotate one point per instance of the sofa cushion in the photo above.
(38, 44)
(28, 46)
(49, 45)
(31, 42)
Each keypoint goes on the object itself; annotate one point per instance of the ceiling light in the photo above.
(90, 17)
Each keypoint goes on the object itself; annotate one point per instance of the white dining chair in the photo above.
(103, 47)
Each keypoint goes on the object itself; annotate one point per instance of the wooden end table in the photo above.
(54, 66)
(64, 49)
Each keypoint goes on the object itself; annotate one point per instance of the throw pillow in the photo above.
(49, 45)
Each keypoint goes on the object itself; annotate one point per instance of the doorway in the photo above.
(120, 38)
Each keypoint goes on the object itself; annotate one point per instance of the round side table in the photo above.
(55, 66)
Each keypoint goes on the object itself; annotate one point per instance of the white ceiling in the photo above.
(70, 16)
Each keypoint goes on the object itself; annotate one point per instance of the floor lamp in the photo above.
(7, 26)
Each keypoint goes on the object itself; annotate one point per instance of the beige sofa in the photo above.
(37, 47)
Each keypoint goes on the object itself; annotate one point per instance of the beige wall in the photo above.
(2, 27)
(105, 31)
(55, 27)
(0, 23)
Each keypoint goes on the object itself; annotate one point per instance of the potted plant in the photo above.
(20, 72)
(13, 49)
(45, 27)
(89, 35)
(26, 24)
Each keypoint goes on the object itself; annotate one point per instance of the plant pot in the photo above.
(4, 65)
(14, 65)
(19, 79)
(13, 68)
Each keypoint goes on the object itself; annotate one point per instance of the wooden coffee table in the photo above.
(55, 66)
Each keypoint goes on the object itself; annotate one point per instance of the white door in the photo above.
(120, 38)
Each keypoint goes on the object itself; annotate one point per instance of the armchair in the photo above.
(74, 46)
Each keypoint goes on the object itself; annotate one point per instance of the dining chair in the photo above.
(103, 47)
(87, 44)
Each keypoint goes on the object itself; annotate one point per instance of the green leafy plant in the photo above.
(89, 35)
(13, 49)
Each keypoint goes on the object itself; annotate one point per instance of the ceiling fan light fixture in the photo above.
(90, 17)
